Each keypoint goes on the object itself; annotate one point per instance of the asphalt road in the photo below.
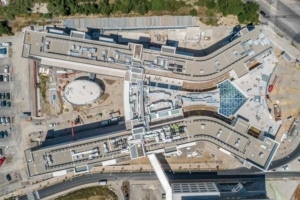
(176, 177)
(286, 19)
(292, 156)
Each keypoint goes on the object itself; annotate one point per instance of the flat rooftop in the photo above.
(233, 139)
(254, 85)
(77, 154)
(82, 92)
(228, 58)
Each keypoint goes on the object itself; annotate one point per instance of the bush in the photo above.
(47, 15)
(89, 192)
(10, 16)
(193, 12)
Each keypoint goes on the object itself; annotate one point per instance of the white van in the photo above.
(6, 44)
(102, 182)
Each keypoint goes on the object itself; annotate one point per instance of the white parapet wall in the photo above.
(161, 176)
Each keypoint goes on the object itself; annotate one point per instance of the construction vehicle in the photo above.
(277, 112)
(272, 86)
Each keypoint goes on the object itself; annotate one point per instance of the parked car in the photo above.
(8, 177)
(8, 104)
(7, 120)
(52, 124)
(1, 78)
(8, 95)
(285, 168)
(3, 134)
(6, 78)
(4, 103)
(2, 120)
(1, 96)
(262, 13)
(6, 69)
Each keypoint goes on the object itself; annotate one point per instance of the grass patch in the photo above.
(109, 81)
(61, 102)
(86, 193)
(43, 85)
(10, 198)
(8, 159)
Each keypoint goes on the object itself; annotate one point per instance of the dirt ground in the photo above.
(296, 194)
(150, 190)
(283, 189)
(229, 20)
(97, 197)
(286, 92)
(40, 8)
(63, 112)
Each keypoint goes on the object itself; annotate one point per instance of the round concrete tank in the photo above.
(82, 92)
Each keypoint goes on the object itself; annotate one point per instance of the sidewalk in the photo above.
(282, 43)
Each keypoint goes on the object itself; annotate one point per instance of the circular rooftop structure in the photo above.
(82, 92)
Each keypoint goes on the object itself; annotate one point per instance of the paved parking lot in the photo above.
(17, 87)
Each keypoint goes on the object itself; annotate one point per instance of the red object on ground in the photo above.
(272, 86)
(2, 160)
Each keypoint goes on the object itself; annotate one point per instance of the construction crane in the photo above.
(66, 75)
(268, 98)
(272, 86)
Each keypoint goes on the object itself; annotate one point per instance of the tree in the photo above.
(249, 14)
(141, 8)
(193, 12)
(125, 6)
(230, 7)
(210, 4)
(105, 9)
(242, 18)
(158, 5)
(4, 29)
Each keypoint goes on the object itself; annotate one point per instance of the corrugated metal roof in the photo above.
(133, 22)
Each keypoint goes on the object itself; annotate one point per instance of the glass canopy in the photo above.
(231, 99)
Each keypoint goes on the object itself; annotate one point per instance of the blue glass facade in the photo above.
(231, 99)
